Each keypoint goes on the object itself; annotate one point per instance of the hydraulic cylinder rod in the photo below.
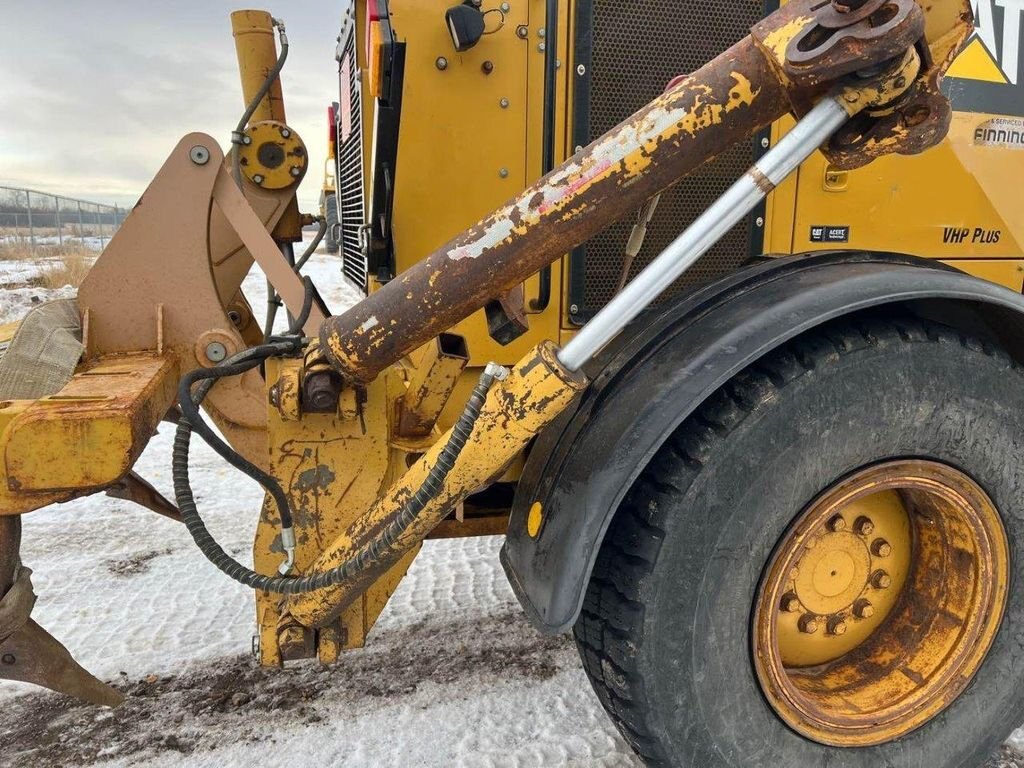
(728, 99)
(727, 211)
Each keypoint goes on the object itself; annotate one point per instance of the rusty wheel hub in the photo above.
(880, 603)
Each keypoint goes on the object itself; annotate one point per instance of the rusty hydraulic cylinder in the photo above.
(707, 112)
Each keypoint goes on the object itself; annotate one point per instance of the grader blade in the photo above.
(28, 653)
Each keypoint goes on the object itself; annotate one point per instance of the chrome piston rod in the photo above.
(739, 200)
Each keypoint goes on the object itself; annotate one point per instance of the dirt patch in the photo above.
(229, 699)
(136, 564)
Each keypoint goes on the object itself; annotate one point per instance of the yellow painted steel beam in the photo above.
(85, 437)
(516, 410)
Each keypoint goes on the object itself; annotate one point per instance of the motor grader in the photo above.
(732, 358)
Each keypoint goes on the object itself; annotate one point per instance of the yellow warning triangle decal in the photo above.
(975, 63)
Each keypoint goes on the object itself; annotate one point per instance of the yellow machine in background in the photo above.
(709, 348)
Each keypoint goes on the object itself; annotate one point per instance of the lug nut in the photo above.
(837, 524)
(864, 526)
(836, 626)
(790, 602)
(881, 548)
(808, 623)
(881, 580)
(863, 609)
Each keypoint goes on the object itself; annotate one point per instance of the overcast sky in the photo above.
(94, 95)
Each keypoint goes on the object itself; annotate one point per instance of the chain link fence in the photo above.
(37, 218)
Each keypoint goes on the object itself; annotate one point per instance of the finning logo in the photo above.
(1000, 132)
(992, 52)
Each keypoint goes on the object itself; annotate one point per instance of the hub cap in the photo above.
(880, 603)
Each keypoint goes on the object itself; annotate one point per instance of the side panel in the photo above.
(959, 201)
(581, 468)
(470, 141)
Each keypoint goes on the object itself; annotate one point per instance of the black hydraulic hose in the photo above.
(238, 136)
(189, 400)
(322, 221)
(368, 555)
(273, 300)
(307, 306)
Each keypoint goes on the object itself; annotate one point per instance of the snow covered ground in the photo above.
(452, 675)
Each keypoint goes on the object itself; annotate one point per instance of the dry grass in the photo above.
(68, 267)
(21, 250)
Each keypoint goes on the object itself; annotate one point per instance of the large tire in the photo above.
(665, 632)
(331, 212)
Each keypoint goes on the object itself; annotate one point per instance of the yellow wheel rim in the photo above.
(880, 603)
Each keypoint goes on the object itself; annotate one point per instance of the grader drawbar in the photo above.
(337, 418)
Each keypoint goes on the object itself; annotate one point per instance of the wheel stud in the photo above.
(863, 609)
(881, 548)
(837, 524)
(864, 526)
(881, 580)
(836, 626)
(790, 602)
(808, 623)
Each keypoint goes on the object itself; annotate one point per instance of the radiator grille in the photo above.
(351, 205)
(637, 47)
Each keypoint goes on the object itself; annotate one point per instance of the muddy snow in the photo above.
(452, 674)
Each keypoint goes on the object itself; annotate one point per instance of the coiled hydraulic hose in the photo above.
(367, 556)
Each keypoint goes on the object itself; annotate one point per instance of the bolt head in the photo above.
(581, 70)
(765, 142)
(199, 154)
(542, 47)
(285, 133)
(506, 7)
(836, 626)
(216, 352)
(790, 602)
(523, 31)
(541, 32)
(503, 173)
(296, 171)
(441, 63)
(881, 548)
(863, 526)
(257, 179)
(247, 140)
(837, 524)
(808, 624)
(8, 659)
(759, 221)
(863, 609)
(504, 103)
(881, 580)
(574, 309)
(487, 67)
